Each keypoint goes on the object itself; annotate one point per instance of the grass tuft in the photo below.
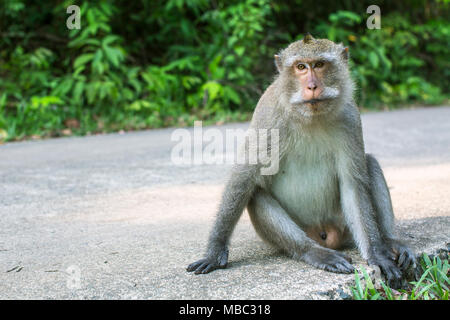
(433, 284)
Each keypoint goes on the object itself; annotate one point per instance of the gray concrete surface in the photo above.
(111, 217)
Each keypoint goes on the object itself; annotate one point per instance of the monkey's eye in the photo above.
(319, 64)
(301, 66)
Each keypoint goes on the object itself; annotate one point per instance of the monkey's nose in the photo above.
(312, 86)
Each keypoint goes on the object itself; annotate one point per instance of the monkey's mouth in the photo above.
(327, 95)
(316, 100)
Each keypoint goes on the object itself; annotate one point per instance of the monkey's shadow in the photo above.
(421, 234)
(249, 256)
(256, 252)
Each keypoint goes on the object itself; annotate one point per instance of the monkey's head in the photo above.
(315, 75)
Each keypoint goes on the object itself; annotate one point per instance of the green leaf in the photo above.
(231, 94)
(82, 60)
(358, 288)
(387, 291)
(376, 296)
(109, 39)
(216, 71)
(373, 59)
(111, 54)
(213, 88)
(78, 91)
(97, 63)
(239, 50)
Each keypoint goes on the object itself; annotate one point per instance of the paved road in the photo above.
(112, 217)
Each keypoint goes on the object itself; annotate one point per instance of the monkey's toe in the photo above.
(340, 267)
(329, 260)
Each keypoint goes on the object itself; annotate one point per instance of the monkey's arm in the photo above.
(359, 215)
(356, 203)
(237, 193)
(381, 200)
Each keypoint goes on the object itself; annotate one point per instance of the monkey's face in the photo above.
(311, 76)
(316, 89)
(315, 73)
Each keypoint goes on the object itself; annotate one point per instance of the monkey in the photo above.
(324, 172)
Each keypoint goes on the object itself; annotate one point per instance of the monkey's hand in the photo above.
(405, 256)
(328, 259)
(210, 263)
(385, 258)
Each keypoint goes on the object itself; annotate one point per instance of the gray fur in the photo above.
(324, 176)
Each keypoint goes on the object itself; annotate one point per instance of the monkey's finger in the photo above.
(403, 262)
(412, 262)
(406, 260)
(393, 274)
(394, 283)
(391, 255)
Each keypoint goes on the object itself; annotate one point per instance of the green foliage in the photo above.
(367, 292)
(433, 284)
(391, 61)
(145, 64)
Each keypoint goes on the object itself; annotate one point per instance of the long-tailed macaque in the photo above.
(326, 183)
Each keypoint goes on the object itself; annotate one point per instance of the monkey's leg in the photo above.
(275, 226)
(381, 201)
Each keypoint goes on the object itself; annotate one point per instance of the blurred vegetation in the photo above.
(146, 64)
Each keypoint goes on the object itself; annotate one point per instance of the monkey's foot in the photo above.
(329, 260)
(209, 264)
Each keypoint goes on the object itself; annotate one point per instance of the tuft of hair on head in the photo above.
(308, 38)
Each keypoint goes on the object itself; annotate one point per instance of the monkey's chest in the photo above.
(307, 187)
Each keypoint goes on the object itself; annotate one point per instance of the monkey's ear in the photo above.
(278, 62)
(345, 53)
(308, 37)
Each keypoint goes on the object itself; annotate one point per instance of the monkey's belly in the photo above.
(308, 190)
